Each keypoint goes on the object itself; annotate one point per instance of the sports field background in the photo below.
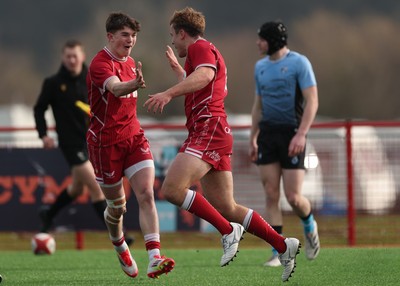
(371, 231)
(374, 259)
(200, 267)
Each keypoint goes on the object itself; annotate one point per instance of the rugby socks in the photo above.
(153, 245)
(257, 226)
(196, 204)
(308, 223)
(119, 243)
(62, 200)
(278, 229)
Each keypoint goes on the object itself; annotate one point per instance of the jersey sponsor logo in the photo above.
(228, 130)
(145, 150)
(109, 175)
(213, 155)
(129, 95)
(133, 70)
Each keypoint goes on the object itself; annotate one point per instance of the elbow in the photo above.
(209, 77)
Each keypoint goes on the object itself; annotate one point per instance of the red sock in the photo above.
(119, 242)
(152, 245)
(203, 209)
(259, 227)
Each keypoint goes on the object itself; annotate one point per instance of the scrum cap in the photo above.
(275, 33)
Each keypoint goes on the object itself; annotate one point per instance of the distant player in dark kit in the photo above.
(61, 92)
(284, 108)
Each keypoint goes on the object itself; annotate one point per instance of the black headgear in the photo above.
(275, 33)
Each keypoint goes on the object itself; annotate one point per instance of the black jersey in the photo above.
(61, 91)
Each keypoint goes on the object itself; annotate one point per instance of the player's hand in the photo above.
(48, 142)
(297, 145)
(173, 62)
(140, 83)
(157, 102)
(253, 150)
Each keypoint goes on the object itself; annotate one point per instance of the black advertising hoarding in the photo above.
(31, 177)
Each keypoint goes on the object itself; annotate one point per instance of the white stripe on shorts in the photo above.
(194, 152)
(132, 170)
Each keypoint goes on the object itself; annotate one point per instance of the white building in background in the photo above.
(20, 116)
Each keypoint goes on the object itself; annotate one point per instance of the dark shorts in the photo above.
(273, 145)
(75, 155)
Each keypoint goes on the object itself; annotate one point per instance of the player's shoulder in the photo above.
(101, 55)
(296, 56)
(130, 60)
(101, 58)
(262, 62)
(201, 44)
(202, 41)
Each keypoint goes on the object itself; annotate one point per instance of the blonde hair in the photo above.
(189, 20)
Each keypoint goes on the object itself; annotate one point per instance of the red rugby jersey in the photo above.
(113, 118)
(209, 101)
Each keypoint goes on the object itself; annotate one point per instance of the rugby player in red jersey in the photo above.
(117, 145)
(205, 156)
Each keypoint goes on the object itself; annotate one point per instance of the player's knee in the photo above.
(115, 210)
(171, 192)
(293, 200)
(114, 216)
(145, 195)
(164, 192)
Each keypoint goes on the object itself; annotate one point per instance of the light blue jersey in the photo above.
(279, 83)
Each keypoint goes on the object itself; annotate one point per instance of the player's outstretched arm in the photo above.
(194, 82)
(121, 88)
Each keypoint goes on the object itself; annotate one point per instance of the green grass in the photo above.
(334, 266)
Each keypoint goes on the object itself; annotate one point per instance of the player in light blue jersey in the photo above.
(284, 108)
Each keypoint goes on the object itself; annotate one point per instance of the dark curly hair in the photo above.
(117, 21)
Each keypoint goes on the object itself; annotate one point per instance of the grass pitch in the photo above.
(334, 266)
